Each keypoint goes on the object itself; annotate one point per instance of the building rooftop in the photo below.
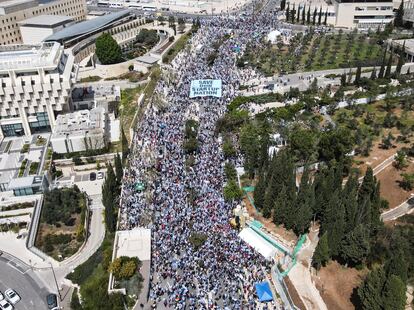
(46, 20)
(88, 26)
(11, 6)
(80, 121)
(15, 57)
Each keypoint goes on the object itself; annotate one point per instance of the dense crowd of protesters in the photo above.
(180, 201)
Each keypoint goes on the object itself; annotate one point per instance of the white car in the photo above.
(5, 305)
(12, 296)
(1, 296)
(100, 175)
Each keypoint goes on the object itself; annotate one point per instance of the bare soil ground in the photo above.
(285, 234)
(390, 188)
(336, 285)
(294, 294)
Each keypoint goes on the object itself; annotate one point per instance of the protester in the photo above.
(222, 272)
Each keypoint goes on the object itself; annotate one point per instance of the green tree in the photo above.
(399, 15)
(287, 13)
(388, 69)
(232, 191)
(373, 74)
(343, 79)
(107, 49)
(161, 19)
(260, 191)
(304, 205)
(282, 5)
(293, 14)
(382, 68)
(400, 160)
(128, 269)
(401, 60)
(321, 255)
(118, 169)
(370, 291)
(357, 76)
(394, 294)
(308, 17)
(355, 246)
(110, 192)
(407, 181)
(303, 14)
(315, 12)
(320, 16)
(171, 21)
(397, 265)
(124, 144)
(298, 15)
(325, 22)
(74, 302)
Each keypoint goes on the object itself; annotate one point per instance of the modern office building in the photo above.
(14, 11)
(35, 29)
(36, 83)
(409, 11)
(360, 14)
(80, 131)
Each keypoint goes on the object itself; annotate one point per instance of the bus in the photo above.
(149, 8)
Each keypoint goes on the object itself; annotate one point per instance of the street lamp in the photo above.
(54, 277)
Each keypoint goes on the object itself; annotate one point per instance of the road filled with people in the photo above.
(180, 201)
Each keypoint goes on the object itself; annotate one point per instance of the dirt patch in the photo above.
(390, 188)
(336, 285)
(287, 235)
(294, 294)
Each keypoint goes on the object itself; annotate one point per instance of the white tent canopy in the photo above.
(272, 36)
(249, 236)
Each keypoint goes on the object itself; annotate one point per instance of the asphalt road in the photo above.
(404, 208)
(22, 279)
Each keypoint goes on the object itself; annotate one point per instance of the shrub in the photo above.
(127, 270)
(197, 240)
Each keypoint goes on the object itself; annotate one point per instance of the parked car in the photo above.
(100, 175)
(92, 176)
(51, 300)
(5, 305)
(1, 296)
(12, 296)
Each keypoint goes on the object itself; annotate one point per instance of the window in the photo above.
(12, 130)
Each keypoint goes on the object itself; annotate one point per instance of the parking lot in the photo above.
(22, 279)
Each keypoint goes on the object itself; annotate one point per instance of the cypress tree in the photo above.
(293, 13)
(280, 213)
(382, 68)
(394, 294)
(399, 15)
(303, 14)
(260, 191)
(343, 79)
(367, 186)
(315, 12)
(268, 203)
(389, 64)
(336, 225)
(321, 255)
(308, 17)
(369, 292)
(373, 74)
(355, 247)
(349, 200)
(401, 60)
(298, 15)
(118, 169)
(397, 265)
(124, 144)
(282, 5)
(287, 13)
(110, 192)
(320, 16)
(325, 22)
(357, 75)
(303, 205)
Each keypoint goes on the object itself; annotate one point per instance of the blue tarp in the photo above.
(263, 291)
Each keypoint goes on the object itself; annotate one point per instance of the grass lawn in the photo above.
(128, 107)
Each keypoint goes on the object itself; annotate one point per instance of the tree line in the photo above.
(111, 190)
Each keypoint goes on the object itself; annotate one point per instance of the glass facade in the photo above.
(12, 130)
(42, 124)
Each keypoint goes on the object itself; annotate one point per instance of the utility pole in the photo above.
(54, 277)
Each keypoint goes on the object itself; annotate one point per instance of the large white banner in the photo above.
(205, 88)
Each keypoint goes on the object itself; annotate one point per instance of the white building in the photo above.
(409, 11)
(14, 11)
(349, 13)
(34, 30)
(36, 82)
(80, 131)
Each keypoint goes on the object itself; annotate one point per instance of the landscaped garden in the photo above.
(313, 51)
(62, 224)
